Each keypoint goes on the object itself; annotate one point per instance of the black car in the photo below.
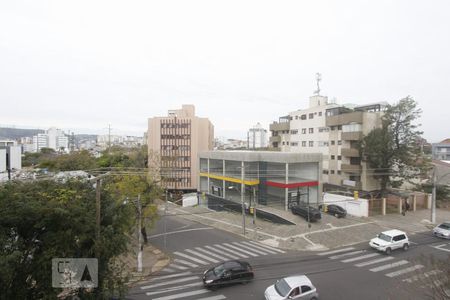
(302, 210)
(229, 272)
(336, 211)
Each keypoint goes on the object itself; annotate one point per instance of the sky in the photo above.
(82, 65)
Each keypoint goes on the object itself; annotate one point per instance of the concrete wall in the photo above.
(2, 160)
(357, 208)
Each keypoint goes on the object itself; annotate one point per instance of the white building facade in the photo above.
(257, 137)
(53, 138)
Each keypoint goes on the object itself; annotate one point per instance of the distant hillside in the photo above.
(15, 133)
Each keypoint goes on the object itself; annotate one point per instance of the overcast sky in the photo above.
(86, 64)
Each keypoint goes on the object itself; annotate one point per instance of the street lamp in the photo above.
(138, 207)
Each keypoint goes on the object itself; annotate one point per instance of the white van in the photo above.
(390, 240)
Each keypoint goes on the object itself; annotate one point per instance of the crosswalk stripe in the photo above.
(168, 270)
(389, 266)
(174, 288)
(183, 262)
(250, 248)
(422, 276)
(210, 253)
(239, 249)
(404, 271)
(231, 251)
(268, 247)
(181, 295)
(191, 258)
(175, 281)
(258, 247)
(178, 267)
(166, 277)
(375, 261)
(218, 297)
(359, 257)
(336, 251)
(222, 252)
(201, 255)
(347, 254)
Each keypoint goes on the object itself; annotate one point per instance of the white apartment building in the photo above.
(53, 138)
(257, 137)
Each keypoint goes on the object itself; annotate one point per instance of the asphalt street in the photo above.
(354, 272)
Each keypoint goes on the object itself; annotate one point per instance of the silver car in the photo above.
(292, 287)
(442, 230)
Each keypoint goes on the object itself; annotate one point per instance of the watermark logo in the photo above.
(74, 272)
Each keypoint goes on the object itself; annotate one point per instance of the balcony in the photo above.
(275, 126)
(275, 139)
(351, 136)
(346, 118)
(347, 168)
(350, 152)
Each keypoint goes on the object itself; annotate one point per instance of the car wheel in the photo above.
(388, 251)
(405, 247)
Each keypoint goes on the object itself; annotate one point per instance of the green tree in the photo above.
(393, 152)
(42, 220)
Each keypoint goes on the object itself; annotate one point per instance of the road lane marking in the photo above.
(168, 270)
(359, 257)
(178, 267)
(259, 247)
(267, 247)
(250, 248)
(182, 295)
(336, 251)
(231, 251)
(191, 258)
(222, 252)
(422, 276)
(218, 297)
(404, 271)
(183, 262)
(193, 252)
(178, 231)
(347, 254)
(175, 281)
(375, 261)
(174, 288)
(241, 250)
(389, 266)
(210, 253)
(166, 277)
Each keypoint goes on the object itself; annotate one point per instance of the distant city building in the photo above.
(53, 138)
(106, 140)
(10, 156)
(234, 144)
(257, 137)
(177, 139)
(441, 151)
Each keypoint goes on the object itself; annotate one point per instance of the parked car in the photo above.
(336, 211)
(292, 287)
(390, 240)
(442, 230)
(302, 210)
(229, 272)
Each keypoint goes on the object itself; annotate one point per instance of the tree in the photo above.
(80, 160)
(393, 151)
(41, 220)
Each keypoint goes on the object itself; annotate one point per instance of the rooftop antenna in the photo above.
(318, 79)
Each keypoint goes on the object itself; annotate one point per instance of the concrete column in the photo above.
(286, 190)
(414, 202)
(223, 181)
(429, 201)
(383, 206)
(207, 178)
(400, 205)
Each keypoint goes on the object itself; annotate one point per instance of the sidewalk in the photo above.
(328, 233)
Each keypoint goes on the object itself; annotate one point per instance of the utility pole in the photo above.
(109, 136)
(242, 197)
(139, 257)
(254, 214)
(433, 198)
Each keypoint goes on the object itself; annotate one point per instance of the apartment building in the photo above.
(257, 137)
(441, 151)
(177, 139)
(333, 130)
(53, 138)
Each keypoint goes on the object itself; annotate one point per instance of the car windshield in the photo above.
(445, 226)
(384, 237)
(219, 270)
(282, 287)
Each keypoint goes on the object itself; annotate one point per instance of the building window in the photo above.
(320, 113)
(325, 172)
(323, 144)
(332, 143)
(303, 117)
(294, 143)
(311, 115)
(324, 129)
(333, 157)
(294, 131)
(339, 172)
(339, 142)
(332, 172)
(311, 143)
(303, 143)
(303, 130)
(339, 157)
(339, 127)
(311, 130)
(287, 143)
(283, 143)
(333, 128)
(296, 117)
